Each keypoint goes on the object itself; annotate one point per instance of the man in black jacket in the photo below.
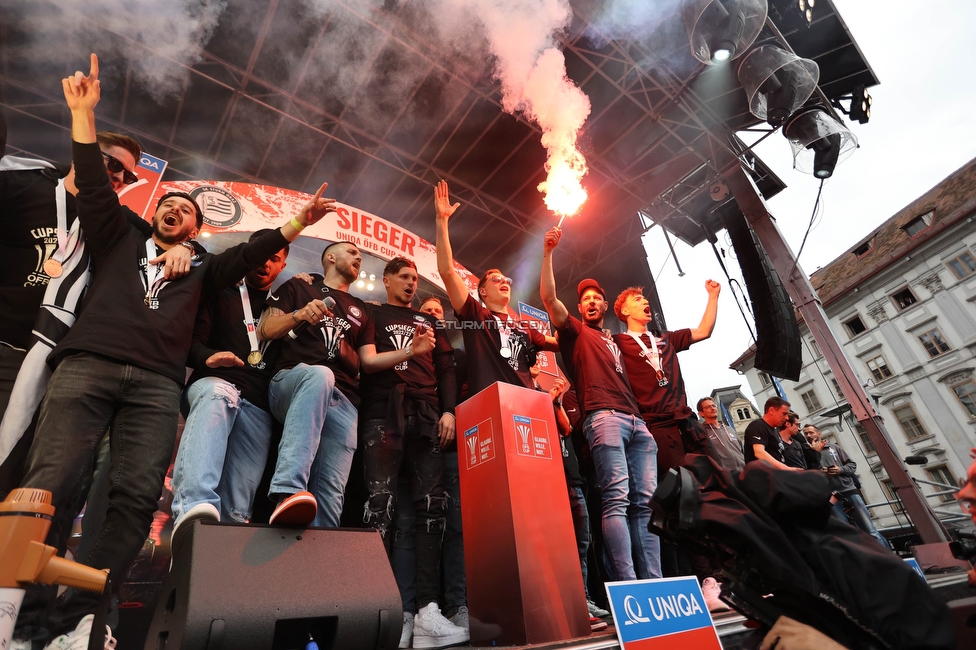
(124, 360)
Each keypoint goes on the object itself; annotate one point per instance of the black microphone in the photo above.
(298, 329)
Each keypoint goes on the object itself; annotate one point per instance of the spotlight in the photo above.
(372, 277)
(819, 141)
(360, 284)
(776, 82)
(369, 287)
(860, 105)
(362, 274)
(720, 30)
(205, 233)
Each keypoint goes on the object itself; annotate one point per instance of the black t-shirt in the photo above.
(760, 433)
(593, 361)
(483, 344)
(793, 453)
(221, 327)
(658, 404)
(28, 237)
(427, 377)
(334, 342)
(114, 320)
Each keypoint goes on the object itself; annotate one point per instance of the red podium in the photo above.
(523, 571)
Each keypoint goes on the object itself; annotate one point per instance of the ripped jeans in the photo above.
(423, 463)
(223, 451)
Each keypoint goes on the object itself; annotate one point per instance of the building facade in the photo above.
(735, 409)
(902, 302)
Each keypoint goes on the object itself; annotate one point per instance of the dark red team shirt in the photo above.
(595, 364)
(334, 342)
(482, 344)
(658, 404)
(428, 377)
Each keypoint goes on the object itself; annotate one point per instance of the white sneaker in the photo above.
(406, 636)
(596, 610)
(201, 511)
(78, 640)
(461, 618)
(711, 591)
(432, 630)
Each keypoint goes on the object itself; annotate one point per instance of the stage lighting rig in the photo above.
(861, 101)
(818, 141)
(720, 30)
(776, 82)
(806, 9)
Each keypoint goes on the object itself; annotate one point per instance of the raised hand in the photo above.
(442, 201)
(712, 287)
(423, 340)
(83, 92)
(224, 360)
(317, 208)
(551, 239)
(313, 312)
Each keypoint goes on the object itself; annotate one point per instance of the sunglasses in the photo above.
(498, 279)
(114, 166)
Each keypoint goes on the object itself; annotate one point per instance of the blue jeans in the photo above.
(318, 440)
(86, 393)
(222, 452)
(581, 524)
(860, 515)
(625, 456)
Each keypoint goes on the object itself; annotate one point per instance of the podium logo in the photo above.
(633, 611)
(523, 427)
(473, 446)
(480, 444)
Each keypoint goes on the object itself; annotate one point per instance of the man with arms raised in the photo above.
(408, 418)
(763, 441)
(225, 442)
(623, 449)
(497, 345)
(123, 362)
(315, 388)
(651, 360)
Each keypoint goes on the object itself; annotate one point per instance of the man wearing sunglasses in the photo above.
(33, 254)
(622, 448)
(123, 362)
(499, 347)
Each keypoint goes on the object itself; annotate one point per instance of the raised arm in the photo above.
(704, 329)
(457, 290)
(558, 314)
(373, 361)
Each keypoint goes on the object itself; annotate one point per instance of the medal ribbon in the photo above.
(252, 334)
(61, 201)
(504, 333)
(651, 355)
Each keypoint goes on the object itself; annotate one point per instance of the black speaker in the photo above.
(778, 350)
(235, 587)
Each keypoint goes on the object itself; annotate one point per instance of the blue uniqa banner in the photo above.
(663, 613)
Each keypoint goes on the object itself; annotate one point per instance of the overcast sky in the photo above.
(921, 130)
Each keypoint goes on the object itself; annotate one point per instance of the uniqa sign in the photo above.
(663, 613)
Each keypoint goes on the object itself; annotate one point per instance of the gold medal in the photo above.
(52, 267)
(254, 358)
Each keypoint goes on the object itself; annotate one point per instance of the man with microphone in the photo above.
(325, 335)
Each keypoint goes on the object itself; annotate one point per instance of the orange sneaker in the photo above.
(297, 510)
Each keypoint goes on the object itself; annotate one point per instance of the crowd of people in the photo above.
(334, 374)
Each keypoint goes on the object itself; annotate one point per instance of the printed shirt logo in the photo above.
(516, 342)
(333, 331)
(220, 208)
(615, 351)
(400, 336)
(45, 248)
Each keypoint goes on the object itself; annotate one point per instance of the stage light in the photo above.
(369, 287)
(776, 82)
(860, 105)
(819, 141)
(720, 30)
(362, 274)
(361, 284)
(372, 277)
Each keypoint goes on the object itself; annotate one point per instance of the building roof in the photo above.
(952, 200)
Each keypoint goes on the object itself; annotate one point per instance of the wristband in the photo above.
(296, 225)
(187, 244)
(293, 317)
(409, 349)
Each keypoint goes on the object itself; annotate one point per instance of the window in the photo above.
(855, 326)
(962, 266)
(864, 248)
(811, 401)
(747, 414)
(739, 413)
(918, 224)
(903, 298)
(837, 391)
(966, 394)
(866, 443)
(889, 490)
(933, 342)
(816, 349)
(941, 474)
(909, 422)
(765, 380)
(879, 368)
